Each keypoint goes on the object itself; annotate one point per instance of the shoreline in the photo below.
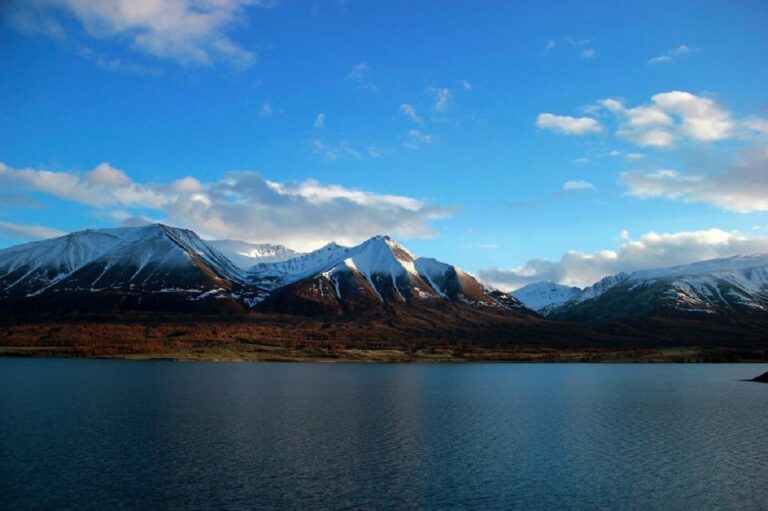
(421, 356)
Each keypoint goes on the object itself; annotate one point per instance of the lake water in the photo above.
(107, 434)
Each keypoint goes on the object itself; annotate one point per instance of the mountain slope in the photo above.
(543, 297)
(31, 267)
(719, 288)
(139, 261)
(376, 273)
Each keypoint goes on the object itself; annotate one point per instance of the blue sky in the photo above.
(519, 140)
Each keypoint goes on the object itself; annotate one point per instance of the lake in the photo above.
(110, 434)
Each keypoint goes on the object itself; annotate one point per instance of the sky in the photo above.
(521, 141)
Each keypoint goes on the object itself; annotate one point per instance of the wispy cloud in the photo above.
(569, 188)
(670, 55)
(266, 109)
(116, 64)
(342, 150)
(443, 98)
(582, 45)
(189, 32)
(28, 231)
(241, 205)
(359, 74)
(410, 112)
(320, 121)
(417, 138)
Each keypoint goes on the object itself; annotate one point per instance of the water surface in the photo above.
(107, 434)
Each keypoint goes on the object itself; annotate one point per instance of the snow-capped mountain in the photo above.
(281, 273)
(153, 258)
(720, 287)
(245, 254)
(546, 296)
(600, 287)
(30, 267)
(175, 265)
(378, 271)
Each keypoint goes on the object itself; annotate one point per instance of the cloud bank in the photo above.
(241, 205)
(742, 187)
(651, 250)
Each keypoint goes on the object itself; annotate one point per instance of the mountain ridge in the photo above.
(161, 260)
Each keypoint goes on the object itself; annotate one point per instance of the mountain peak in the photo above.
(545, 296)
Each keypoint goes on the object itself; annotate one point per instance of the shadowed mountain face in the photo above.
(158, 265)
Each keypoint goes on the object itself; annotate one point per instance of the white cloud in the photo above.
(701, 118)
(103, 186)
(651, 250)
(410, 112)
(28, 232)
(670, 116)
(586, 51)
(320, 121)
(742, 187)
(466, 84)
(374, 152)
(569, 189)
(359, 74)
(577, 186)
(443, 98)
(342, 150)
(670, 55)
(416, 138)
(240, 205)
(359, 71)
(757, 124)
(116, 64)
(568, 125)
(265, 110)
(187, 31)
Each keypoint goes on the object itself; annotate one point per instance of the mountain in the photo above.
(376, 273)
(161, 267)
(600, 287)
(31, 267)
(376, 294)
(245, 254)
(133, 262)
(719, 288)
(545, 296)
